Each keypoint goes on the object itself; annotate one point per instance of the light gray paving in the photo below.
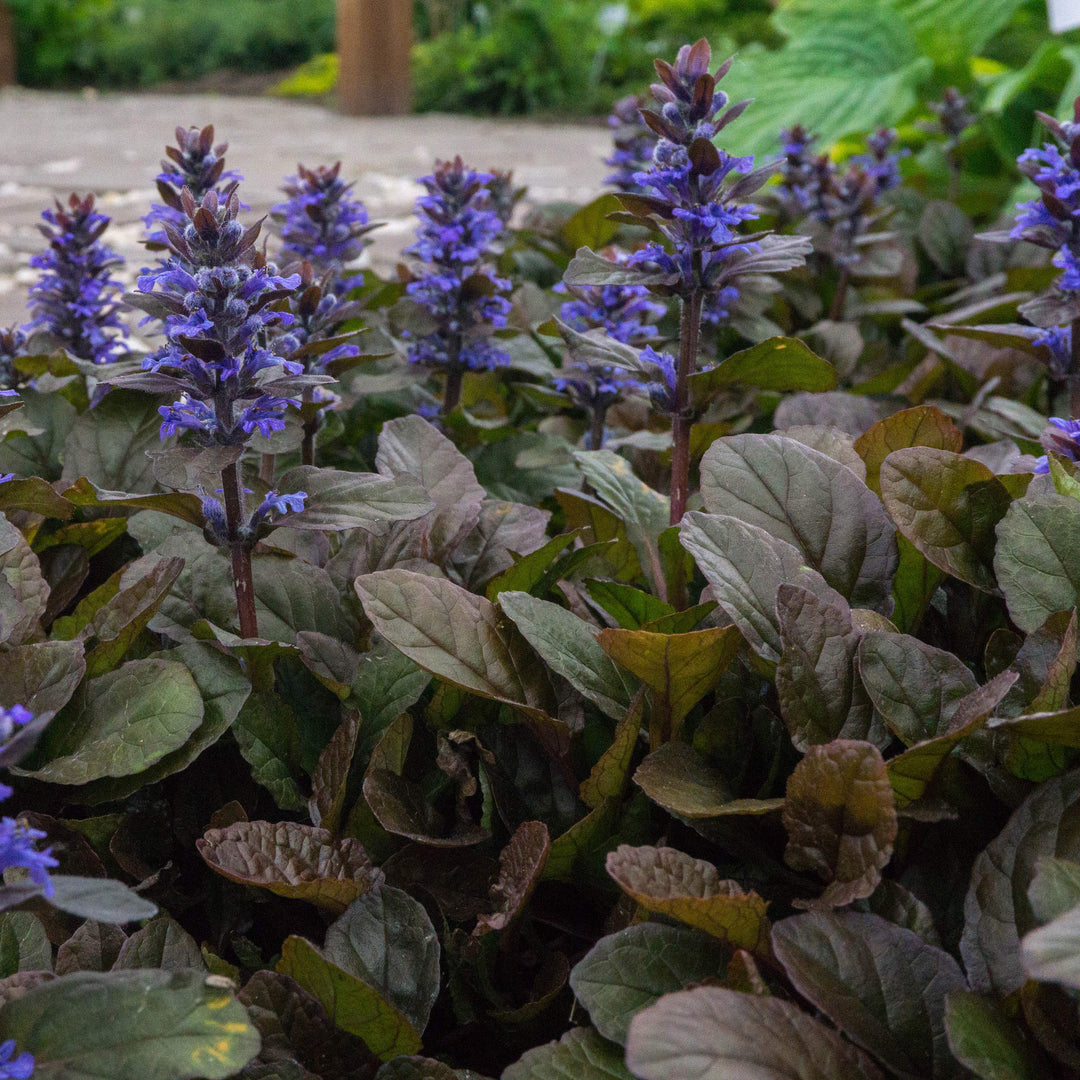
(111, 144)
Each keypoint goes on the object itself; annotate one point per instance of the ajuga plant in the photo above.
(691, 197)
(75, 299)
(954, 117)
(461, 296)
(216, 298)
(322, 223)
(194, 163)
(634, 143)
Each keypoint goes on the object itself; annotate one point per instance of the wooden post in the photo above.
(374, 39)
(8, 74)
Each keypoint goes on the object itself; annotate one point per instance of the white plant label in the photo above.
(1064, 14)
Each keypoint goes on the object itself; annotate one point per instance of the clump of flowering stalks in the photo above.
(461, 296)
(954, 117)
(321, 223)
(504, 194)
(626, 314)
(1051, 222)
(692, 196)
(194, 163)
(217, 299)
(74, 302)
(634, 143)
(800, 173)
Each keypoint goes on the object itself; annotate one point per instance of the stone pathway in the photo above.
(111, 144)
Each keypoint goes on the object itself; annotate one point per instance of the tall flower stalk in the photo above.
(461, 296)
(692, 196)
(322, 224)
(216, 297)
(75, 300)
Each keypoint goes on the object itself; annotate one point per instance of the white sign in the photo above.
(1064, 14)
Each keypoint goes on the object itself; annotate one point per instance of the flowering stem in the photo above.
(267, 462)
(689, 334)
(1074, 372)
(596, 427)
(452, 390)
(243, 581)
(307, 448)
(839, 300)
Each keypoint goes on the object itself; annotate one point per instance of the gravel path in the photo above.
(51, 144)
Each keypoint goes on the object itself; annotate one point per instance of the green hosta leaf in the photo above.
(842, 71)
(1036, 561)
(745, 566)
(881, 985)
(914, 686)
(131, 1025)
(642, 510)
(986, 1041)
(351, 1003)
(821, 695)
(922, 426)
(386, 939)
(666, 881)
(1055, 888)
(42, 676)
(948, 506)
(1052, 952)
(680, 780)
(339, 500)
(625, 972)
(293, 860)
(581, 1053)
(712, 1032)
(457, 636)
(840, 819)
(837, 523)
(24, 945)
(680, 668)
(23, 590)
(569, 646)
(997, 912)
(779, 364)
(120, 724)
(950, 31)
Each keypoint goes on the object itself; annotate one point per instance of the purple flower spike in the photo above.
(75, 298)
(457, 229)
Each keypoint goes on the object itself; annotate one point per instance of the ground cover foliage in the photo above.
(635, 640)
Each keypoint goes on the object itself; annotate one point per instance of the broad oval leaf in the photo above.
(568, 645)
(351, 1003)
(812, 502)
(386, 939)
(23, 590)
(712, 1032)
(948, 507)
(745, 566)
(883, 986)
(983, 1038)
(154, 1025)
(1035, 563)
(629, 970)
(120, 724)
(457, 636)
(339, 500)
(100, 899)
(840, 819)
(581, 1053)
(997, 912)
(293, 860)
(923, 425)
(668, 882)
(42, 676)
